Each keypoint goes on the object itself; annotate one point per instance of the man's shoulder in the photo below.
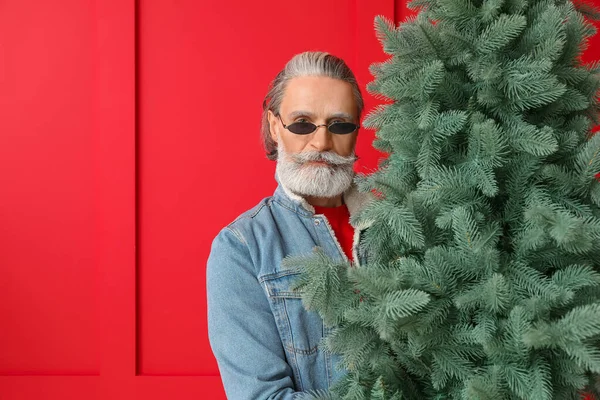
(257, 214)
(243, 223)
(236, 238)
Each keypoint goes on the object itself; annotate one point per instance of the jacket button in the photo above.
(317, 221)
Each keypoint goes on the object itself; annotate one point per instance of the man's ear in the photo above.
(272, 125)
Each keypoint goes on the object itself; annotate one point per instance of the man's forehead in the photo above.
(306, 113)
(318, 96)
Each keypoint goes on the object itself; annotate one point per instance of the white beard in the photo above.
(315, 180)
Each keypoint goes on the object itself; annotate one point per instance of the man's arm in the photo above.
(241, 327)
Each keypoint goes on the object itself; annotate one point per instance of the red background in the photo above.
(128, 138)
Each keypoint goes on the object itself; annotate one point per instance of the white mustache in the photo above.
(326, 156)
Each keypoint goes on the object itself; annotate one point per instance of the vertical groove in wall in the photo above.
(356, 25)
(137, 336)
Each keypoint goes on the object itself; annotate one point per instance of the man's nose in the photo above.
(321, 139)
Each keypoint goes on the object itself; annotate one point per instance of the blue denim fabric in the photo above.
(264, 341)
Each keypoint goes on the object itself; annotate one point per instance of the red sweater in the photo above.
(339, 219)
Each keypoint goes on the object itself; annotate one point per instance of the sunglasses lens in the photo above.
(342, 128)
(302, 128)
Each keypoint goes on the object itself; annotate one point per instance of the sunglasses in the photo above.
(304, 128)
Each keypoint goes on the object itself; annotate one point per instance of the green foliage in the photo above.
(483, 273)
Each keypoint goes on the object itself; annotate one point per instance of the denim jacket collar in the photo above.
(354, 200)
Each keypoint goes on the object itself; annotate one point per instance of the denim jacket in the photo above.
(264, 340)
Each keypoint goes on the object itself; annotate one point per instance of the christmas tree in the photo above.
(483, 272)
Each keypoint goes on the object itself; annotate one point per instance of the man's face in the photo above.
(323, 100)
(318, 164)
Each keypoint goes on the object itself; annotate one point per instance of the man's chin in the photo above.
(315, 189)
(317, 164)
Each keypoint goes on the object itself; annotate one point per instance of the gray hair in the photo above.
(309, 63)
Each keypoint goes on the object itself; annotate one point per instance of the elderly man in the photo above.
(265, 342)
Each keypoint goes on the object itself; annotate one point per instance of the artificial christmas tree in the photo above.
(483, 272)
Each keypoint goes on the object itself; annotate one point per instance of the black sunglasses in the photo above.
(304, 128)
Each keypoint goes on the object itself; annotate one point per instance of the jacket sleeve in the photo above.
(242, 332)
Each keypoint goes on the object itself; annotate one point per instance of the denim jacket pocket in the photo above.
(301, 330)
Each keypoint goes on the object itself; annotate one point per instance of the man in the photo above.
(265, 342)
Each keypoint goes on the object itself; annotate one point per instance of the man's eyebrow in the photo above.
(301, 113)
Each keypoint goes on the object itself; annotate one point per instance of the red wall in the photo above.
(128, 138)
